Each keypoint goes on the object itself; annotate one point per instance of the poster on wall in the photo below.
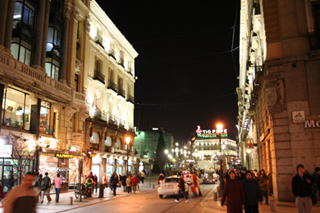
(6, 151)
(298, 117)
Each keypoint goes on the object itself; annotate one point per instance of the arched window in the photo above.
(108, 141)
(118, 143)
(94, 138)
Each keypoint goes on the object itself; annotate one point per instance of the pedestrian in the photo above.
(57, 185)
(142, 176)
(37, 186)
(105, 180)
(302, 190)
(128, 183)
(315, 177)
(114, 182)
(22, 198)
(95, 182)
(1, 191)
(263, 182)
(45, 188)
(124, 181)
(90, 176)
(182, 188)
(194, 184)
(234, 191)
(255, 174)
(134, 182)
(253, 193)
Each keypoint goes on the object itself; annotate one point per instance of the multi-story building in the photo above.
(146, 142)
(207, 149)
(42, 45)
(278, 99)
(109, 87)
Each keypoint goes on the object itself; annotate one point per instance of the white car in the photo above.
(170, 186)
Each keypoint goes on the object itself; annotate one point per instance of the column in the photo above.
(3, 21)
(45, 35)
(65, 42)
(39, 35)
(7, 40)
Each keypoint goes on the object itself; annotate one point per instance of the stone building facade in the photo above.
(278, 94)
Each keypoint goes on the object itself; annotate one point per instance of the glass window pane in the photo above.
(31, 19)
(48, 69)
(22, 54)
(14, 108)
(56, 73)
(50, 35)
(17, 11)
(25, 15)
(15, 50)
(44, 120)
(27, 113)
(28, 57)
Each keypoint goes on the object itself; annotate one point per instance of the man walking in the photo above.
(253, 194)
(302, 190)
(182, 188)
(37, 185)
(45, 188)
(57, 185)
(22, 198)
(114, 180)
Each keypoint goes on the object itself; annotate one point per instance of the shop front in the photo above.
(64, 163)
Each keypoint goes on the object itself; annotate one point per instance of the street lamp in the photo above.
(128, 139)
(219, 131)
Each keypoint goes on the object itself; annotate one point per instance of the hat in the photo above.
(248, 171)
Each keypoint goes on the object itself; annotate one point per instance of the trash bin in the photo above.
(101, 190)
(272, 205)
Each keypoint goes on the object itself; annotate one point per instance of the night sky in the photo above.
(188, 62)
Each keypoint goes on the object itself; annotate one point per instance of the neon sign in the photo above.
(211, 133)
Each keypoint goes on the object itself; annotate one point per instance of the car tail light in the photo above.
(178, 187)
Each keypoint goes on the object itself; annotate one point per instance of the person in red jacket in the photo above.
(134, 181)
(235, 193)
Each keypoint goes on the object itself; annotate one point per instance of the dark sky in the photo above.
(187, 73)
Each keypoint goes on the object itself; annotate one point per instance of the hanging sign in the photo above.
(58, 155)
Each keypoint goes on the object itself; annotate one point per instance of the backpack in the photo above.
(45, 183)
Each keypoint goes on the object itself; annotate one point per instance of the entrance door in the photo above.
(96, 171)
(8, 179)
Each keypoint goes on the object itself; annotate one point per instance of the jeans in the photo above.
(57, 194)
(304, 204)
(265, 194)
(114, 187)
(184, 194)
(251, 208)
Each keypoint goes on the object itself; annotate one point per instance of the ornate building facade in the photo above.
(278, 99)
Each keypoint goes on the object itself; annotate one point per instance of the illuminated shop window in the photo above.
(46, 118)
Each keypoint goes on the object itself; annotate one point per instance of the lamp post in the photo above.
(128, 139)
(219, 131)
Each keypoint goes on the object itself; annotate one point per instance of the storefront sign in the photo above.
(6, 151)
(58, 155)
(308, 124)
(211, 133)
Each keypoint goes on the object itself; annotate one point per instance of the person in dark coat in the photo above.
(253, 194)
(114, 180)
(182, 189)
(302, 189)
(235, 193)
(263, 182)
(95, 179)
(124, 181)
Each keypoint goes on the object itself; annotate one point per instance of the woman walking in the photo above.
(263, 182)
(134, 182)
(128, 182)
(235, 193)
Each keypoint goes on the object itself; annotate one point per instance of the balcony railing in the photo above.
(112, 85)
(130, 70)
(99, 76)
(121, 92)
(130, 98)
(121, 62)
(112, 53)
(94, 146)
(99, 41)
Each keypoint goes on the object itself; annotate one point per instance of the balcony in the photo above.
(99, 76)
(121, 92)
(99, 40)
(130, 70)
(112, 53)
(112, 86)
(130, 98)
(121, 62)
(79, 98)
(94, 146)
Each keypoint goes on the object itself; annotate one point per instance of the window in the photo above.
(108, 141)
(16, 109)
(52, 68)
(118, 143)
(21, 52)
(76, 86)
(73, 122)
(94, 138)
(54, 40)
(23, 15)
(46, 118)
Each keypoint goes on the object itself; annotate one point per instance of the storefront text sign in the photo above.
(64, 156)
(211, 133)
(6, 151)
(308, 124)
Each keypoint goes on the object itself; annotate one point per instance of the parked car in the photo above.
(170, 186)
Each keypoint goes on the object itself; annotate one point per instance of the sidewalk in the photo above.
(64, 199)
(280, 207)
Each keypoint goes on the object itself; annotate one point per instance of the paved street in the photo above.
(147, 200)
